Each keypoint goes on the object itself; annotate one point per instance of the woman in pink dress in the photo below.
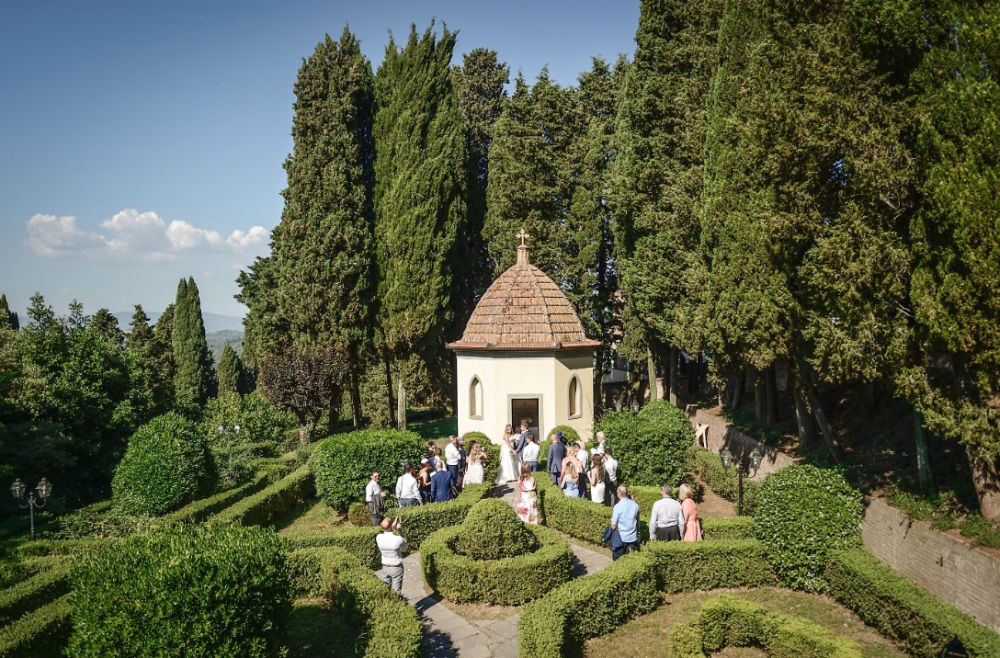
(692, 527)
(527, 497)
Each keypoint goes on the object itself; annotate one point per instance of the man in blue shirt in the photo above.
(441, 484)
(625, 519)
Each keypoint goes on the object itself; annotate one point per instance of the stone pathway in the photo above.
(448, 635)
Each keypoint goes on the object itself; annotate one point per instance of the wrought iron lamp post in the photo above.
(727, 461)
(44, 490)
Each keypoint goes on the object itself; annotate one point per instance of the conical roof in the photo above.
(524, 310)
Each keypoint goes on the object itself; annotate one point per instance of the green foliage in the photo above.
(40, 589)
(151, 364)
(805, 513)
(555, 625)
(194, 380)
(164, 467)
(43, 632)
(651, 447)
(343, 463)
(577, 517)
(724, 482)
(422, 520)
(492, 531)
(726, 620)
(689, 566)
(919, 622)
(358, 542)
(276, 500)
(202, 510)
(231, 376)
(727, 528)
(518, 577)
(358, 515)
(260, 434)
(220, 590)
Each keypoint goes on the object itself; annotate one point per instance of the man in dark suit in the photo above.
(441, 484)
(557, 453)
(522, 439)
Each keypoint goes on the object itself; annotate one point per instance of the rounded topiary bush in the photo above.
(342, 464)
(222, 590)
(164, 467)
(491, 467)
(492, 531)
(652, 446)
(804, 513)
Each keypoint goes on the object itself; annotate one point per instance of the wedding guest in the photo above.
(581, 456)
(527, 496)
(611, 469)
(424, 480)
(625, 519)
(557, 453)
(571, 458)
(408, 489)
(692, 526)
(570, 481)
(453, 458)
(530, 453)
(666, 521)
(391, 546)
(441, 484)
(475, 473)
(375, 499)
(597, 483)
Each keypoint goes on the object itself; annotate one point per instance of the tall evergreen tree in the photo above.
(479, 83)
(8, 320)
(323, 246)
(194, 380)
(150, 360)
(420, 179)
(230, 371)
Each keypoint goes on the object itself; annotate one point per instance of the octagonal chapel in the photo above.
(524, 354)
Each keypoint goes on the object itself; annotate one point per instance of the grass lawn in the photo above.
(435, 430)
(317, 631)
(647, 635)
(314, 514)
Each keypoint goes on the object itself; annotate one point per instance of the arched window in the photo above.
(476, 399)
(575, 397)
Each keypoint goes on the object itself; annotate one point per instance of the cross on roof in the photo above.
(523, 235)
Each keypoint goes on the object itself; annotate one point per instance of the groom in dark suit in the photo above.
(522, 438)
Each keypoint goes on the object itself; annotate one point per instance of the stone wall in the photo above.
(964, 576)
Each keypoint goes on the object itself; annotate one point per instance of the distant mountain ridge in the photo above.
(213, 321)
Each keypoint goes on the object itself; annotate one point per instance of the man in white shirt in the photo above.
(611, 473)
(600, 443)
(530, 453)
(391, 546)
(407, 488)
(452, 457)
(666, 521)
(374, 498)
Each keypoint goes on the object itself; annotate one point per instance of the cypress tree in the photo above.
(194, 380)
(6, 317)
(420, 209)
(324, 243)
(150, 363)
(230, 371)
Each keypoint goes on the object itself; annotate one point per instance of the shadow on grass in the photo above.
(435, 429)
(317, 631)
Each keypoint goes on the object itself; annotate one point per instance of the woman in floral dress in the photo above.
(527, 497)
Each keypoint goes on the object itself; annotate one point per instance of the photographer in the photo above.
(391, 546)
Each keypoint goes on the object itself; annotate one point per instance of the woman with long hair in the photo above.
(570, 482)
(508, 458)
(527, 496)
(474, 472)
(692, 526)
(597, 477)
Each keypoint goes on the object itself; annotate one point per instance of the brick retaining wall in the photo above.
(964, 576)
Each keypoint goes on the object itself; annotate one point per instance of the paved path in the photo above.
(448, 635)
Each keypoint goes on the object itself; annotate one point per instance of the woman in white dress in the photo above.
(597, 480)
(508, 458)
(474, 473)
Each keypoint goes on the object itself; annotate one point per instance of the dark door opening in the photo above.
(525, 408)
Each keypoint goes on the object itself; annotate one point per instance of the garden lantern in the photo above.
(44, 490)
(741, 470)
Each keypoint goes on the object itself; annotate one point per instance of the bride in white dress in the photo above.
(508, 459)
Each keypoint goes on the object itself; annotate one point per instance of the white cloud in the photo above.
(131, 234)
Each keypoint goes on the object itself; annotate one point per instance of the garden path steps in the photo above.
(448, 635)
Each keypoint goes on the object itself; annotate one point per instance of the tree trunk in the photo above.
(401, 404)
(924, 476)
(771, 386)
(333, 420)
(651, 371)
(303, 434)
(388, 388)
(759, 397)
(987, 482)
(673, 374)
(734, 402)
(824, 425)
(356, 412)
(803, 419)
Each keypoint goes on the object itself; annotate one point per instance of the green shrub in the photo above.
(724, 482)
(512, 580)
(164, 468)
(34, 592)
(725, 528)
(43, 632)
(684, 566)
(973, 525)
(264, 507)
(652, 446)
(803, 514)
(420, 521)
(491, 467)
(358, 542)
(188, 590)
(556, 625)
(359, 515)
(571, 436)
(919, 622)
(726, 620)
(260, 433)
(577, 517)
(46, 547)
(343, 463)
(491, 531)
(201, 510)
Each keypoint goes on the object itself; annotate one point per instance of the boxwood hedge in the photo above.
(491, 531)
(921, 623)
(266, 506)
(729, 527)
(652, 446)
(186, 590)
(44, 632)
(491, 467)
(726, 620)
(358, 542)
(683, 566)
(506, 581)
(38, 590)
(724, 482)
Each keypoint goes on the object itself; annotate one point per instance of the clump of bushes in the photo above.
(221, 590)
(651, 446)
(165, 467)
(251, 428)
(492, 531)
(342, 464)
(804, 513)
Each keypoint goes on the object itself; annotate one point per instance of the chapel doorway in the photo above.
(525, 408)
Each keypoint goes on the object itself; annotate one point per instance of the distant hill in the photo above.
(217, 341)
(213, 321)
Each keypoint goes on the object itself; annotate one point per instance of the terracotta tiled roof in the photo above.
(524, 310)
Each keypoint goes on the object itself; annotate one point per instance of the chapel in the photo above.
(524, 354)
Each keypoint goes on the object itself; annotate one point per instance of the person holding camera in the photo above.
(391, 546)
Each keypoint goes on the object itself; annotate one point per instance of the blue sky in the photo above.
(141, 142)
